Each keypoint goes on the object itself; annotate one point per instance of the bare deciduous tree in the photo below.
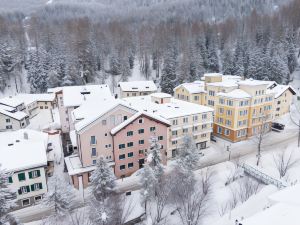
(283, 162)
(246, 188)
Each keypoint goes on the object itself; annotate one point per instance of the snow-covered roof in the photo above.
(76, 95)
(280, 89)
(225, 83)
(134, 117)
(138, 86)
(90, 111)
(18, 153)
(252, 82)
(30, 98)
(193, 88)
(175, 108)
(231, 77)
(161, 95)
(54, 90)
(11, 101)
(18, 115)
(74, 165)
(279, 214)
(237, 93)
(212, 74)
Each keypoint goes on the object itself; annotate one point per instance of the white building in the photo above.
(186, 119)
(136, 88)
(23, 154)
(12, 119)
(71, 97)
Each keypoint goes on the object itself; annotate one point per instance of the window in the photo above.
(195, 118)
(36, 187)
(122, 167)
(21, 176)
(185, 120)
(141, 131)
(219, 130)
(46, 107)
(104, 122)
(141, 120)
(230, 102)
(173, 153)
(129, 144)
(152, 129)
(141, 142)
(221, 101)
(210, 102)
(10, 180)
(94, 152)
(130, 154)
(26, 202)
(141, 151)
(204, 116)
(220, 120)
(185, 130)
(94, 162)
(7, 120)
(34, 174)
(227, 132)
(174, 122)
(160, 138)
(196, 98)
(195, 128)
(37, 198)
(23, 190)
(93, 140)
(9, 127)
(174, 142)
(221, 110)
(130, 133)
(174, 133)
(211, 93)
(41, 107)
(228, 122)
(124, 118)
(130, 165)
(203, 135)
(229, 112)
(204, 126)
(121, 157)
(121, 146)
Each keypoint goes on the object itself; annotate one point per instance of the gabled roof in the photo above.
(18, 153)
(18, 115)
(193, 88)
(11, 101)
(138, 86)
(136, 116)
(237, 93)
(92, 110)
(280, 89)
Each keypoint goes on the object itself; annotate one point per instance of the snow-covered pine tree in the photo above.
(228, 62)
(148, 181)
(187, 154)
(114, 63)
(155, 157)
(102, 180)
(170, 69)
(7, 196)
(60, 197)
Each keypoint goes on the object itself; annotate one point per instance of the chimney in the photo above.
(25, 135)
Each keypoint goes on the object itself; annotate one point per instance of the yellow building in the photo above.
(191, 92)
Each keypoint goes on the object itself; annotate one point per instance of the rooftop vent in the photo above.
(17, 141)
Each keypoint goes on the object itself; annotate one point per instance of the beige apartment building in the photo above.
(136, 88)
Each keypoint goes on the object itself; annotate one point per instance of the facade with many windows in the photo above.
(23, 155)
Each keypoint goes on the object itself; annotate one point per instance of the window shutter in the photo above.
(41, 185)
(30, 175)
(21, 176)
(32, 187)
(19, 191)
(28, 189)
(38, 173)
(10, 180)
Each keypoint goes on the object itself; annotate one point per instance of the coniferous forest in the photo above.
(62, 42)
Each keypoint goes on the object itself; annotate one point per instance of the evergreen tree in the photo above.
(114, 64)
(7, 197)
(148, 182)
(155, 158)
(60, 196)
(187, 155)
(102, 180)
(228, 62)
(170, 68)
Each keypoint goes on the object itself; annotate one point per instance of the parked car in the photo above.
(277, 126)
(213, 138)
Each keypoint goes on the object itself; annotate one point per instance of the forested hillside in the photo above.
(62, 42)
